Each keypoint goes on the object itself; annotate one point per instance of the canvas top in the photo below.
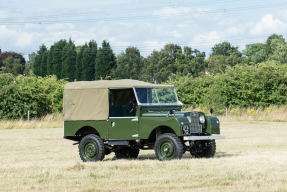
(105, 84)
(89, 100)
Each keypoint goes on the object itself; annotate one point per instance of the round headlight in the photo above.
(201, 119)
(189, 119)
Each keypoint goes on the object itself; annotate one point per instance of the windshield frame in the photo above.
(157, 104)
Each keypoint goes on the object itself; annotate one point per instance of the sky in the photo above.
(147, 25)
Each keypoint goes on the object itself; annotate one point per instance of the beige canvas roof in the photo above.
(123, 83)
(89, 100)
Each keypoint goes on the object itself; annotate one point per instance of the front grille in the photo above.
(195, 127)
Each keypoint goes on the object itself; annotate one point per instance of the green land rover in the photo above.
(125, 116)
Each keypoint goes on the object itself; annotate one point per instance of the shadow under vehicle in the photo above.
(125, 116)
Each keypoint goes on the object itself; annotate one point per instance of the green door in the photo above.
(123, 128)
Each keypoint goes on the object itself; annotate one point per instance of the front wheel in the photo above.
(91, 148)
(168, 146)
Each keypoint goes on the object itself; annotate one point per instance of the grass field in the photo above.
(253, 157)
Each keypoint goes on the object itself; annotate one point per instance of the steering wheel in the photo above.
(133, 105)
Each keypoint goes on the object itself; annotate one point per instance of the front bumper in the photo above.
(195, 138)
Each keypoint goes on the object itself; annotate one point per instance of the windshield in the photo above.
(156, 95)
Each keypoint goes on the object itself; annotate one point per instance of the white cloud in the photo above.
(24, 40)
(60, 27)
(236, 30)
(281, 15)
(206, 39)
(200, 31)
(268, 24)
(170, 12)
(149, 46)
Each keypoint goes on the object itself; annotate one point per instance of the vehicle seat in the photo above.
(115, 111)
(126, 109)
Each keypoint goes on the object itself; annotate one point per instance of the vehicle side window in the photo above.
(119, 100)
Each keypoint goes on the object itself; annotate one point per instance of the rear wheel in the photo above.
(91, 148)
(168, 146)
(207, 150)
(127, 152)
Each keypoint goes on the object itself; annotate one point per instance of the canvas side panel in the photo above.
(89, 104)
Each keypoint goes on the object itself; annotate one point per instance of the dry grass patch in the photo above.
(51, 121)
(252, 158)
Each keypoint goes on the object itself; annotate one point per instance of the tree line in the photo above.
(82, 63)
(89, 62)
(241, 85)
(256, 76)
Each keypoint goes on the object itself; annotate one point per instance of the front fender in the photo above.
(212, 125)
(148, 124)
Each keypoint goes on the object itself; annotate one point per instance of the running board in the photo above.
(118, 142)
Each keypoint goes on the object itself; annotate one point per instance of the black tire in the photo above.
(91, 148)
(209, 152)
(168, 147)
(127, 152)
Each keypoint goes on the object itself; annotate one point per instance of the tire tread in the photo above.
(178, 145)
(101, 147)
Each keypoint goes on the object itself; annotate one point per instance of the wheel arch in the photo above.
(86, 130)
(156, 132)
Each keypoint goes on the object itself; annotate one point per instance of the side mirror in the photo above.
(211, 110)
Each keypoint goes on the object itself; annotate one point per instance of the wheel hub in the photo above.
(166, 149)
(90, 150)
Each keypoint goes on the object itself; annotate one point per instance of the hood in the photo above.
(164, 114)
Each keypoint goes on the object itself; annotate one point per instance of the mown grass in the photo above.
(251, 158)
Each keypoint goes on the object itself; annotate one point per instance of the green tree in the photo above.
(88, 61)
(79, 62)
(129, 64)
(160, 65)
(12, 66)
(225, 49)
(43, 66)
(14, 55)
(280, 53)
(219, 63)
(37, 65)
(273, 39)
(105, 61)
(255, 53)
(191, 62)
(69, 60)
(50, 64)
(150, 69)
(57, 57)
(31, 60)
